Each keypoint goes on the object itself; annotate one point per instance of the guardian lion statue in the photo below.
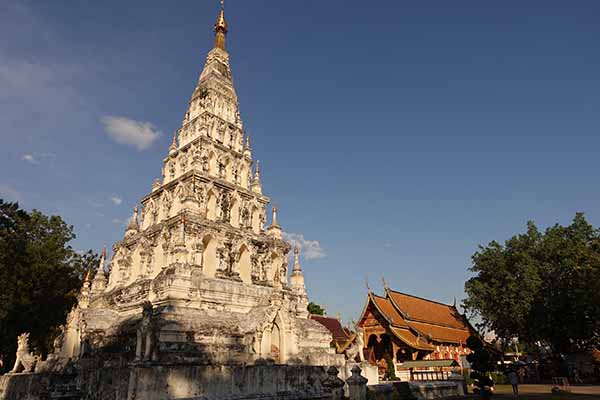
(24, 357)
(147, 341)
(356, 349)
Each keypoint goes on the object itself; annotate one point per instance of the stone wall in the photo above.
(416, 390)
(165, 382)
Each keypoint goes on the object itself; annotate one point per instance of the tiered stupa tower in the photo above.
(197, 274)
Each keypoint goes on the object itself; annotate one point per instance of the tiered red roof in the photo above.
(422, 310)
(419, 322)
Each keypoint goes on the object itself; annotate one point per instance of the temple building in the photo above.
(198, 276)
(404, 328)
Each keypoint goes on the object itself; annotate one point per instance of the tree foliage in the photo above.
(40, 275)
(315, 309)
(540, 286)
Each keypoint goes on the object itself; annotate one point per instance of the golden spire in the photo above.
(221, 28)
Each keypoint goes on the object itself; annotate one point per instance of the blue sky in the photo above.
(398, 136)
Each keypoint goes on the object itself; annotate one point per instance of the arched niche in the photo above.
(211, 206)
(227, 165)
(244, 175)
(276, 343)
(212, 163)
(209, 256)
(234, 219)
(265, 343)
(245, 264)
(256, 219)
(273, 344)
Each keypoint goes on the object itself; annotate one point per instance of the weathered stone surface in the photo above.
(163, 382)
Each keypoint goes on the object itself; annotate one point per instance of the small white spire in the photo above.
(133, 226)
(257, 173)
(99, 281)
(297, 278)
(102, 261)
(274, 229)
(256, 185)
(274, 222)
(247, 149)
(173, 146)
(296, 259)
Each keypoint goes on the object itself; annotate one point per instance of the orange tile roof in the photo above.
(418, 309)
(410, 339)
(339, 333)
(441, 333)
(385, 306)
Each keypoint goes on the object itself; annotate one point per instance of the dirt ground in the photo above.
(543, 392)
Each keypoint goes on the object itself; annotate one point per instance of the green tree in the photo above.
(540, 287)
(315, 309)
(40, 275)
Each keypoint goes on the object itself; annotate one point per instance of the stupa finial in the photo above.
(221, 28)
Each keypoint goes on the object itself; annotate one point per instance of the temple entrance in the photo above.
(379, 350)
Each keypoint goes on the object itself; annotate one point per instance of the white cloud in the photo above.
(309, 249)
(128, 131)
(116, 200)
(119, 221)
(36, 158)
(8, 193)
(30, 159)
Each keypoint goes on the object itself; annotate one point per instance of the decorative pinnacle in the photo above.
(221, 28)
(385, 286)
(173, 146)
(296, 259)
(274, 223)
(101, 263)
(256, 180)
(88, 277)
(367, 284)
(133, 223)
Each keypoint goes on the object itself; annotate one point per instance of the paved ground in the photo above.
(542, 392)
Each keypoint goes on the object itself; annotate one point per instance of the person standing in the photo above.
(514, 381)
